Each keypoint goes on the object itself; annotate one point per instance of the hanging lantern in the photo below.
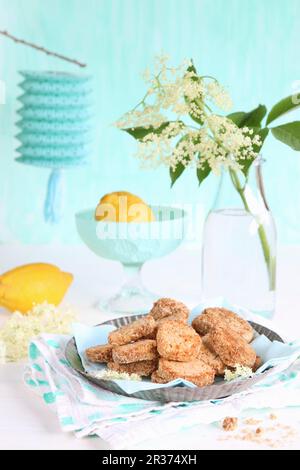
(55, 128)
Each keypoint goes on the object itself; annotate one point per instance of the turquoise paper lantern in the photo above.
(55, 128)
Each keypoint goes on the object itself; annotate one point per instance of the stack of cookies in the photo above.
(162, 345)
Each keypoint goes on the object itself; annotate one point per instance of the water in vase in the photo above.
(233, 264)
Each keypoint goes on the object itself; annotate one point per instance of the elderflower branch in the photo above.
(182, 92)
(142, 102)
(214, 143)
(261, 230)
(208, 107)
(210, 77)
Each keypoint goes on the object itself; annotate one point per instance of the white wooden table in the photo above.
(26, 423)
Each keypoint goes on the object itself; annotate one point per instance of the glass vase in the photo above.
(239, 244)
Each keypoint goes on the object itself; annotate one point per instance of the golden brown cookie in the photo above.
(133, 332)
(180, 317)
(205, 341)
(210, 358)
(257, 363)
(215, 317)
(156, 378)
(195, 371)
(142, 368)
(101, 353)
(177, 341)
(143, 350)
(231, 348)
(167, 307)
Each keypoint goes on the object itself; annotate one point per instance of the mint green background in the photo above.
(252, 46)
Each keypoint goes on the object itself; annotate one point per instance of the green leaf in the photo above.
(203, 172)
(180, 167)
(246, 163)
(237, 117)
(196, 119)
(251, 119)
(192, 68)
(281, 108)
(140, 132)
(289, 134)
(175, 174)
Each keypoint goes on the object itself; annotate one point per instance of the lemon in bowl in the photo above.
(131, 232)
(122, 206)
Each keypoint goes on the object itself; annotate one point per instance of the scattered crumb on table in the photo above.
(259, 431)
(272, 417)
(275, 436)
(230, 424)
(252, 421)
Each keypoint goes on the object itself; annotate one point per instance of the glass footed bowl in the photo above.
(132, 244)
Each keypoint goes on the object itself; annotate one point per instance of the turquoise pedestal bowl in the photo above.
(132, 244)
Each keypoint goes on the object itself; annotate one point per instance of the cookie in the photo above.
(257, 363)
(215, 317)
(133, 332)
(205, 341)
(102, 353)
(142, 368)
(156, 378)
(231, 348)
(211, 359)
(195, 371)
(167, 307)
(180, 317)
(143, 350)
(177, 341)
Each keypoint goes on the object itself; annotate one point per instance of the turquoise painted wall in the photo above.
(252, 46)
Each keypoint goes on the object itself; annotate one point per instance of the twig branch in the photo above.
(41, 49)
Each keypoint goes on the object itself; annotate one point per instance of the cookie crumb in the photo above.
(230, 424)
(274, 437)
(272, 417)
(252, 421)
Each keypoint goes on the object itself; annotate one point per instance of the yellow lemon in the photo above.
(122, 206)
(31, 284)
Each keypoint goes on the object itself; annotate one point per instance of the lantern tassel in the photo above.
(54, 197)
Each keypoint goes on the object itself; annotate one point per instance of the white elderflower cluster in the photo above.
(173, 95)
(239, 372)
(186, 150)
(114, 375)
(157, 149)
(149, 116)
(219, 96)
(19, 329)
(229, 142)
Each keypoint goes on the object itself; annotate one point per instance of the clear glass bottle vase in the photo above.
(239, 244)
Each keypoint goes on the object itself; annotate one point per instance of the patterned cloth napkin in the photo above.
(86, 409)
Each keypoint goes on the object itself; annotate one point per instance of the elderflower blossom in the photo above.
(155, 151)
(174, 93)
(239, 372)
(219, 96)
(233, 140)
(18, 331)
(114, 375)
(2, 352)
(150, 116)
